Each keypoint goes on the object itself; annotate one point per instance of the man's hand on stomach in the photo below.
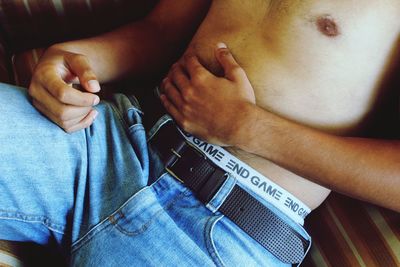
(206, 105)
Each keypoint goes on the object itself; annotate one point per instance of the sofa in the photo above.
(346, 232)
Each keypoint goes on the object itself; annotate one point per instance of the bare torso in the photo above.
(320, 63)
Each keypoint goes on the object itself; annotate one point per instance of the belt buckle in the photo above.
(170, 164)
(204, 186)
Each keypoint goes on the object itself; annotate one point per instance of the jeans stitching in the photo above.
(91, 234)
(18, 216)
(146, 225)
(210, 242)
(119, 114)
(105, 222)
(136, 128)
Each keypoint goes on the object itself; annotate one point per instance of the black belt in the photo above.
(204, 178)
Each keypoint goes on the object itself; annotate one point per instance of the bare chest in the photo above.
(321, 63)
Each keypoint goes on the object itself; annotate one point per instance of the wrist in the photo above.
(242, 134)
(260, 132)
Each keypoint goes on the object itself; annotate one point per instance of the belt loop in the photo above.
(212, 185)
(220, 196)
(209, 181)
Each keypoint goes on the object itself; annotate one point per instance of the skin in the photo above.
(303, 60)
(369, 169)
(289, 81)
(138, 49)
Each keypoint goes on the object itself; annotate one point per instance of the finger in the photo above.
(179, 77)
(195, 69)
(232, 69)
(80, 66)
(65, 93)
(60, 111)
(42, 109)
(71, 125)
(85, 122)
(63, 124)
(172, 93)
(171, 109)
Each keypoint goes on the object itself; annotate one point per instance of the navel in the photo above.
(327, 26)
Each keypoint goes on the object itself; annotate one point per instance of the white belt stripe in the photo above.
(253, 180)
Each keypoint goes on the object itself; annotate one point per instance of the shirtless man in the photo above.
(301, 58)
(317, 63)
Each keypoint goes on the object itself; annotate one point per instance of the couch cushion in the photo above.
(28, 254)
(23, 65)
(7, 256)
(4, 71)
(349, 233)
(38, 23)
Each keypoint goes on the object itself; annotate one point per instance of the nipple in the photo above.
(327, 26)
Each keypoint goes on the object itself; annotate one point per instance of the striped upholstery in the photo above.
(23, 65)
(37, 23)
(345, 232)
(28, 255)
(349, 233)
(8, 259)
(4, 70)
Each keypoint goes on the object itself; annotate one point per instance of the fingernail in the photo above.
(94, 86)
(96, 100)
(95, 113)
(221, 45)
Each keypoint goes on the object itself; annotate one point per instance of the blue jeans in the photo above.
(101, 194)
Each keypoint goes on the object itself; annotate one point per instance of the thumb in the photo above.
(79, 65)
(232, 69)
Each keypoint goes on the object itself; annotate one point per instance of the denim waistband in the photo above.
(191, 168)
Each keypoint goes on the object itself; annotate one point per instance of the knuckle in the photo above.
(76, 57)
(198, 70)
(62, 114)
(175, 67)
(186, 109)
(175, 73)
(199, 79)
(64, 125)
(236, 70)
(168, 89)
(60, 93)
(44, 73)
(31, 90)
(185, 124)
(188, 94)
(88, 74)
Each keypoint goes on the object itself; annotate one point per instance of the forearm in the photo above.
(135, 49)
(362, 168)
(222, 111)
(144, 47)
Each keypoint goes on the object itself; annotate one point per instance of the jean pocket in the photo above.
(145, 232)
(138, 214)
(228, 245)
